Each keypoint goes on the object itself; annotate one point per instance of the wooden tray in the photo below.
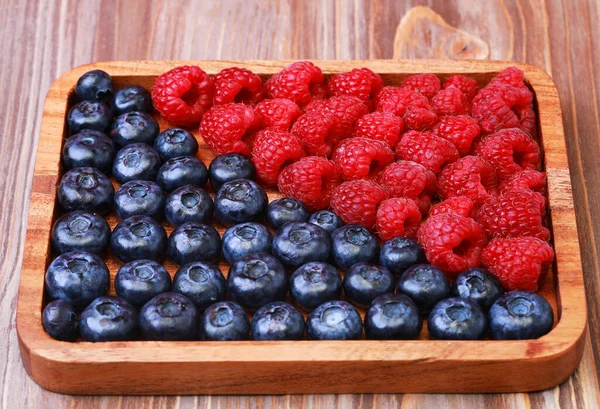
(252, 367)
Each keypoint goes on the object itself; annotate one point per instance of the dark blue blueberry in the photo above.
(298, 243)
(194, 242)
(175, 142)
(88, 148)
(520, 315)
(240, 201)
(80, 231)
(139, 238)
(224, 321)
(60, 321)
(140, 198)
(334, 320)
(134, 127)
(232, 166)
(137, 161)
(169, 317)
(139, 281)
(393, 316)
(243, 239)
(77, 278)
(189, 204)
(203, 283)
(109, 319)
(314, 283)
(400, 253)
(132, 98)
(479, 285)
(277, 321)
(256, 279)
(353, 244)
(326, 219)
(364, 282)
(182, 171)
(89, 115)
(425, 284)
(284, 210)
(457, 319)
(94, 85)
(85, 189)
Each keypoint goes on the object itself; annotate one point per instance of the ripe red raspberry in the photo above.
(467, 86)
(511, 76)
(278, 113)
(182, 95)
(347, 109)
(426, 84)
(396, 100)
(381, 126)
(273, 150)
(499, 106)
(461, 130)
(509, 151)
(420, 116)
(519, 263)
(229, 128)
(530, 180)
(299, 82)
(452, 242)
(237, 85)
(398, 216)
(470, 176)
(361, 83)
(362, 158)
(408, 179)
(450, 101)
(356, 202)
(318, 132)
(310, 180)
(427, 149)
(460, 205)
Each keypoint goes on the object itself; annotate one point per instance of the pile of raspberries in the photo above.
(449, 163)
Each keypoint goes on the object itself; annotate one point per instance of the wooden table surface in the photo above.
(39, 40)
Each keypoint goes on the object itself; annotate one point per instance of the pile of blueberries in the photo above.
(160, 176)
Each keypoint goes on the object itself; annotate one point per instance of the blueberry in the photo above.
(189, 204)
(425, 284)
(277, 321)
(479, 285)
(140, 198)
(85, 189)
(334, 320)
(60, 321)
(353, 244)
(169, 317)
(240, 201)
(226, 168)
(89, 115)
(243, 239)
(314, 283)
(457, 319)
(132, 98)
(80, 231)
(326, 219)
(203, 283)
(393, 316)
(77, 278)
(88, 148)
(175, 142)
(139, 238)
(256, 279)
(400, 253)
(109, 319)
(137, 161)
(94, 85)
(520, 315)
(194, 242)
(298, 243)
(182, 171)
(134, 127)
(139, 281)
(284, 210)
(364, 282)
(224, 321)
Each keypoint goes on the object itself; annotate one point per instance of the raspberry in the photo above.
(356, 202)
(310, 180)
(530, 180)
(395, 100)
(460, 205)
(182, 95)
(470, 176)
(361, 83)
(499, 106)
(408, 179)
(299, 82)
(519, 263)
(450, 101)
(467, 86)
(237, 85)
(381, 126)
(427, 149)
(272, 150)
(362, 158)
(461, 130)
(511, 76)
(277, 113)
(347, 109)
(509, 151)
(426, 84)
(420, 116)
(317, 131)
(513, 214)
(398, 216)
(229, 128)
(452, 242)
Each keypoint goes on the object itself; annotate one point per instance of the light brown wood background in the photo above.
(39, 40)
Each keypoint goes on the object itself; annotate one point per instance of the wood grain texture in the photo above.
(43, 39)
